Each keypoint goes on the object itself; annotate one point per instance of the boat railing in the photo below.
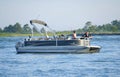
(85, 42)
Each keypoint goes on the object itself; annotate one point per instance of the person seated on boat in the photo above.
(61, 37)
(29, 38)
(74, 35)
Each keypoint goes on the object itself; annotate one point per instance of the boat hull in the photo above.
(58, 49)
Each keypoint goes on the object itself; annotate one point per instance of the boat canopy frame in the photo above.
(44, 24)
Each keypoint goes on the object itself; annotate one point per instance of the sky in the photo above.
(59, 14)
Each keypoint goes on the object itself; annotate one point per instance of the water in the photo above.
(106, 63)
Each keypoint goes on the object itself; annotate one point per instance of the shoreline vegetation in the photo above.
(59, 33)
(112, 28)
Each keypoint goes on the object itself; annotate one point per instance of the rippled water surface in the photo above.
(106, 63)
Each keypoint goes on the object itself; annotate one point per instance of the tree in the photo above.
(9, 29)
(92, 28)
(26, 29)
(17, 28)
(87, 25)
(1, 30)
(114, 29)
(116, 23)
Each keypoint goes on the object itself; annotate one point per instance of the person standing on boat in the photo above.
(87, 35)
(74, 35)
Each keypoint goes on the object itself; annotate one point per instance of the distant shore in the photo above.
(105, 33)
(37, 34)
(12, 34)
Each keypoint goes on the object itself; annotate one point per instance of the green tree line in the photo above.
(16, 28)
(113, 26)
